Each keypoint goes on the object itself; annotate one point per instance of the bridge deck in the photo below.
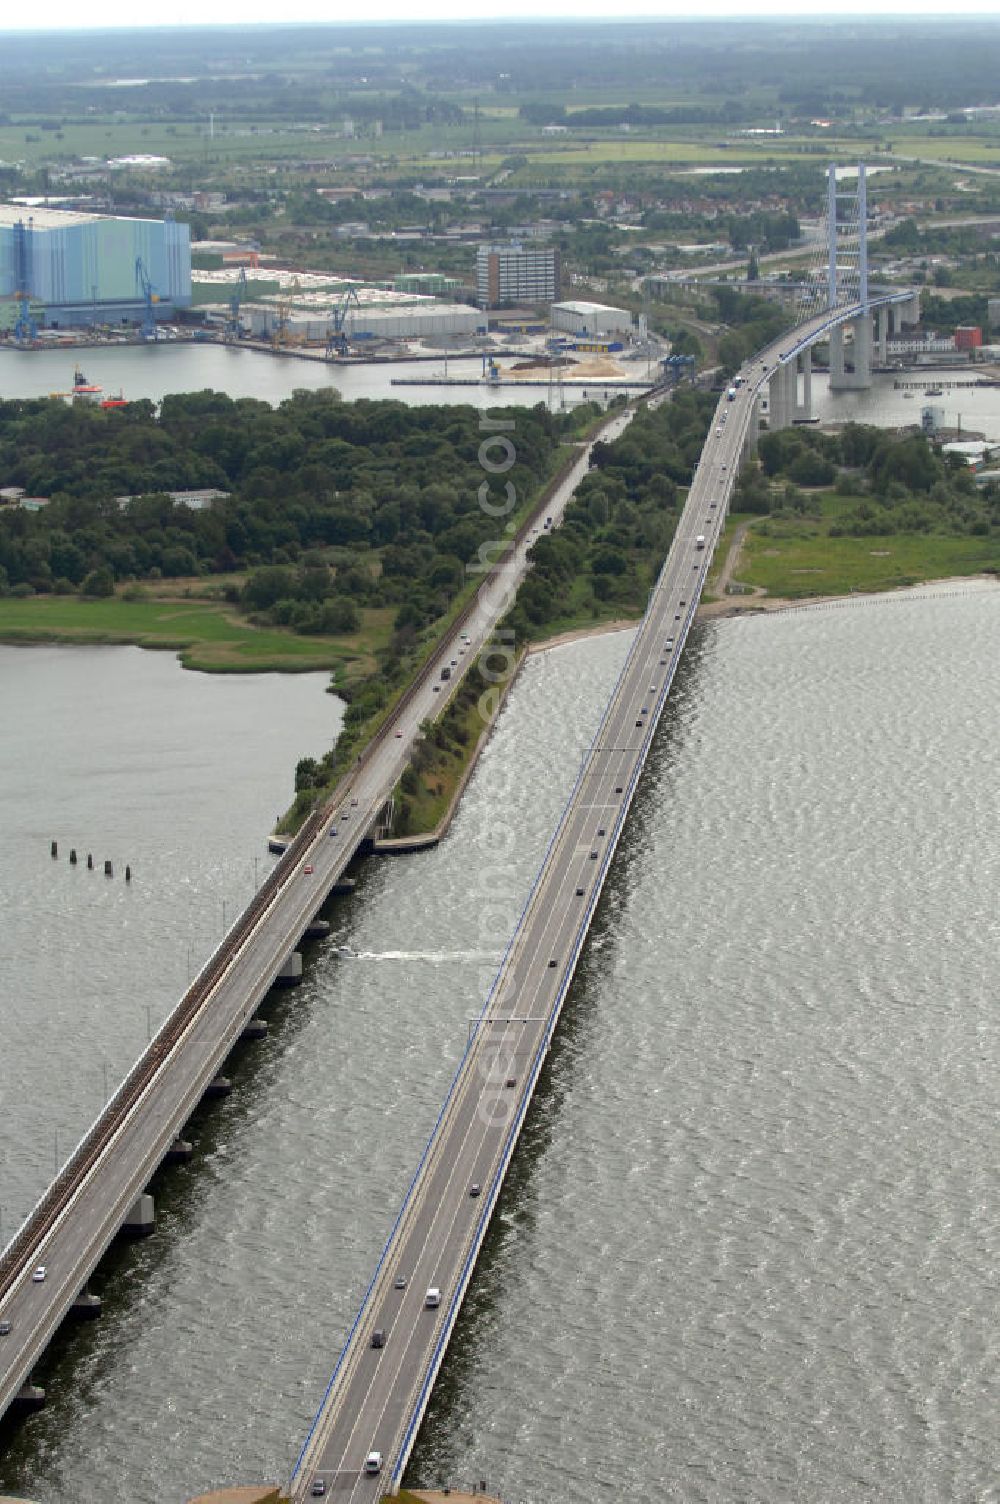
(83, 1210)
(377, 1396)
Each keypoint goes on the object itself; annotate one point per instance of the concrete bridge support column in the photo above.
(781, 397)
(87, 1304)
(911, 310)
(753, 433)
(837, 358)
(803, 409)
(860, 378)
(863, 351)
(290, 974)
(882, 334)
(141, 1220)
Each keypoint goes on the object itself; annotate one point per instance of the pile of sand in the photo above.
(601, 366)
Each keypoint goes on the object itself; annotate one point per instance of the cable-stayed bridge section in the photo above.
(362, 1436)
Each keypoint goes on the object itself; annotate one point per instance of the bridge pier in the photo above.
(290, 974)
(141, 1218)
(30, 1397)
(803, 409)
(87, 1304)
(753, 433)
(860, 378)
(781, 396)
(882, 334)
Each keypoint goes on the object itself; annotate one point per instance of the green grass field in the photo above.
(801, 559)
(981, 150)
(206, 636)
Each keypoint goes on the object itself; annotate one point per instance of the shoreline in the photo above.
(760, 605)
(769, 605)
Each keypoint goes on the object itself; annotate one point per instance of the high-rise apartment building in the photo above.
(512, 274)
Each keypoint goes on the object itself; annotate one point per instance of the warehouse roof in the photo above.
(583, 309)
(45, 219)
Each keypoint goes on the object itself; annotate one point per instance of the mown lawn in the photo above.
(206, 635)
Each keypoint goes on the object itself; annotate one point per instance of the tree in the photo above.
(99, 582)
(308, 774)
(268, 585)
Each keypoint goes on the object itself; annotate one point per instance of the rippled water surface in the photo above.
(748, 1250)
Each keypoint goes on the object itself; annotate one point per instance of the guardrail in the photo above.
(62, 1189)
(59, 1194)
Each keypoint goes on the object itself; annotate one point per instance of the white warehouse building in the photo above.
(392, 321)
(595, 320)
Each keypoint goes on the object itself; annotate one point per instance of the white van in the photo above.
(373, 1463)
(433, 1298)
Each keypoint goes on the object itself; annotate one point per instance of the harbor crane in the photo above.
(150, 299)
(25, 329)
(336, 335)
(233, 330)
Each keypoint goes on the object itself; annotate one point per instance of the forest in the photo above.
(618, 528)
(902, 483)
(330, 505)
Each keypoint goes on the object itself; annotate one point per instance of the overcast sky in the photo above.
(70, 15)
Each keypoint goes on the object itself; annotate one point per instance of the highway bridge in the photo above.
(381, 1385)
(101, 1187)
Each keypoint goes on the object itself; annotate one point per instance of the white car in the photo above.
(39, 1274)
(373, 1463)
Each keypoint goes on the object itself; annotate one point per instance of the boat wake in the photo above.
(433, 956)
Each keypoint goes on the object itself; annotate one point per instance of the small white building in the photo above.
(593, 320)
(973, 451)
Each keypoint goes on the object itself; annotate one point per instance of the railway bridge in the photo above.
(359, 1443)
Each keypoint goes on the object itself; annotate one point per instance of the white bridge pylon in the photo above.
(837, 279)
